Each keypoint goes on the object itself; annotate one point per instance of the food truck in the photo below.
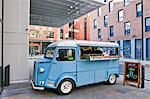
(68, 64)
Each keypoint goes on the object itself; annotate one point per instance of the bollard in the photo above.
(7, 76)
(143, 77)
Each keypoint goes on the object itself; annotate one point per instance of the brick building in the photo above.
(120, 21)
(40, 37)
(117, 21)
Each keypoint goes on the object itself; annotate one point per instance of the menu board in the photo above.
(132, 72)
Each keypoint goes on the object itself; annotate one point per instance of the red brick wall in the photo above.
(129, 15)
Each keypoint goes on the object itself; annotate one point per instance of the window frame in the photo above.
(111, 31)
(147, 30)
(61, 34)
(105, 1)
(52, 48)
(126, 3)
(119, 16)
(106, 21)
(127, 29)
(95, 23)
(73, 54)
(49, 33)
(99, 11)
(103, 52)
(137, 15)
(99, 36)
(111, 8)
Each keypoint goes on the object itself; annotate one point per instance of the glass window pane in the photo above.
(111, 31)
(99, 11)
(50, 53)
(95, 23)
(120, 15)
(147, 21)
(99, 34)
(66, 55)
(127, 2)
(127, 28)
(51, 35)
(105, 20)
(139, 7)
(111, 6)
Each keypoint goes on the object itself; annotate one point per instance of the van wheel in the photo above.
(112, 79)
(65, 87)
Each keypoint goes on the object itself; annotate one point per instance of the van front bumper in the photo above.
(35, 87)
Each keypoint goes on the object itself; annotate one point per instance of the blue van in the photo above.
(73, 63)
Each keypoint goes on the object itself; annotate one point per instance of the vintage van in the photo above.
(71, 63)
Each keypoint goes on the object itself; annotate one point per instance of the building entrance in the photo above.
(148, 49)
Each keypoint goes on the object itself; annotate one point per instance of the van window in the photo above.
(50, 53)
(66, 55)
(98, 51)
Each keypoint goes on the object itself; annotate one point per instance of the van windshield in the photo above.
(50, 53)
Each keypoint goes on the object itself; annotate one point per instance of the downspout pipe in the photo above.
(2, 50)
(142, 24)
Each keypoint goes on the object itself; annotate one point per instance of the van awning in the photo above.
(56, 13)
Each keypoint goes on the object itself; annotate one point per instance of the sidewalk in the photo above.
(95, 91)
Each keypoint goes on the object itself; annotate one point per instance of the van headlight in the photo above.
(42, 70)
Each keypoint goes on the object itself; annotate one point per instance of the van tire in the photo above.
(112, 79)
(65, 91)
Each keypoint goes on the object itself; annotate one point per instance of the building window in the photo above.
(147, 24)
(66, 55)
(127, 27)
(127, 49)
(61, 33)
(105, 20)
(95, 24)
(34, 33)
(120, 15)
(111, 31)
(85, 29)
(71, 33)
(45, 34)
(105, 0)
(99, 11)
(51, 35)
(111, 6)
(138, 10)
(126, 2)
(99, 34)
(138, 49)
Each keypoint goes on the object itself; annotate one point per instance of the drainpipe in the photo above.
(2, 55)
(142, 30)
(142, 68)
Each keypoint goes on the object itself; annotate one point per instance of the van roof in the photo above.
(74, 43)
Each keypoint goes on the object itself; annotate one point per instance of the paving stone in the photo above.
(95, 91)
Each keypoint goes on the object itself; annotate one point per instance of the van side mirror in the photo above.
(57, 58)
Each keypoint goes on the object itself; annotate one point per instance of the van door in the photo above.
(85, 72)
(64, 64)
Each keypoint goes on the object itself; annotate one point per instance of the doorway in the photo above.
(148, 48)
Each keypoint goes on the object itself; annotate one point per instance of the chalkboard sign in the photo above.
(132, 72)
